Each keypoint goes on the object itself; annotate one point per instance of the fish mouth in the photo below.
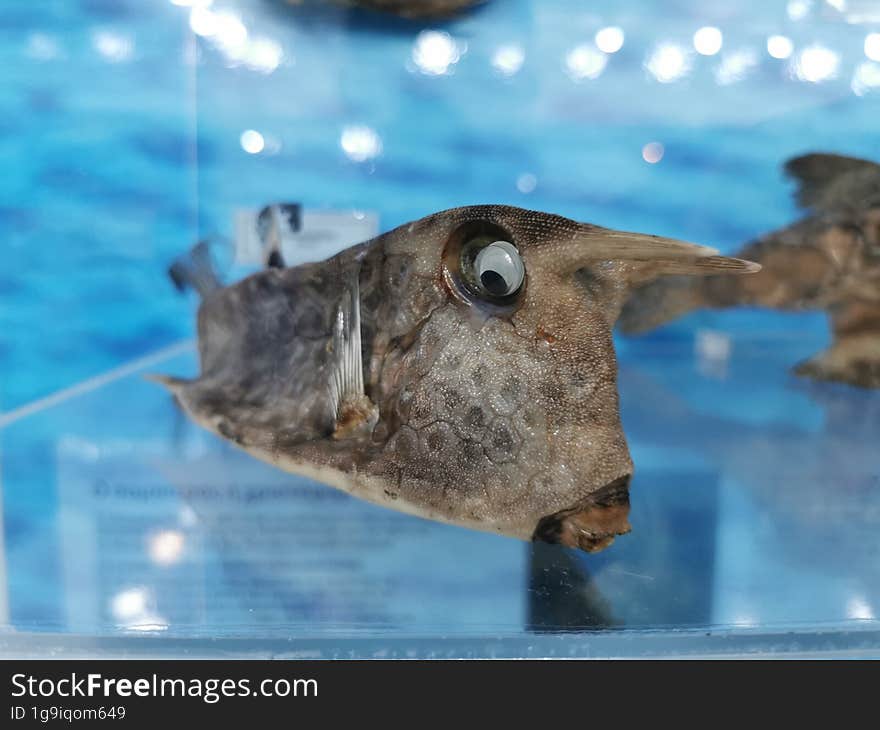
(593, 522)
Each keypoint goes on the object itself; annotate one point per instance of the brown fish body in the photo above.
(829, 261)
(390, 372)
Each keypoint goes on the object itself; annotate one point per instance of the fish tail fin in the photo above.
(195, 269)
(660, 302)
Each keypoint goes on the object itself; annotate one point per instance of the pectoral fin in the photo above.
(354, 412)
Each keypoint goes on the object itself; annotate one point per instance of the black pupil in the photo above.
(494, 283)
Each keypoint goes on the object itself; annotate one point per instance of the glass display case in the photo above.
(136, 129)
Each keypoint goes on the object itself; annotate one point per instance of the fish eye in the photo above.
(499, 268)
(482, 266)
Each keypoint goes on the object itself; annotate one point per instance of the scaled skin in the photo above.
(829, 260)
(498, 418)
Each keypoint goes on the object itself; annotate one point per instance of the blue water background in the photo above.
(121, 143)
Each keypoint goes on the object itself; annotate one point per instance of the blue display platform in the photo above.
(128, 531)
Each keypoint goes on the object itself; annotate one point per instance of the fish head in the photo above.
(498, 398)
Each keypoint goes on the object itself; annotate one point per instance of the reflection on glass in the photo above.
(712, 350)
(166, 547)
(508, 59)
(562, 592)
(203, 22)
(816, 63)
(230, 36)
(708, 41)
(114, 47)
(866, 78)
(132, 608)
(129, 604)
(744, 620)
(263, 54)
(779, 46)
(872, 46)
(229, 30)
(434, 52)
(798, 9)
(858, 608)
(252, 141)
(668, 62)
(734, 66)
(360, 143)
(652, 152)
(42, 47)
(526, 182)
(186, 516)
(585, 62)
(610, 40)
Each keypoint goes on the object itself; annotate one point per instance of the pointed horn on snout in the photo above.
(661, 255)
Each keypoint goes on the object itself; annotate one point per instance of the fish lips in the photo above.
(593, 522)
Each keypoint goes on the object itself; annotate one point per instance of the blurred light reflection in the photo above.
(252, 141)
(735, 65)
(798, 9)
(228, 33)
(42, 47)
(187, 516)
(858, 608)
(668, 62)
(115, 47)
(585, 62)
(131, 609)
(816, 63)
(166, 547)
(779, 46)
(434, 52)
(203, 22)
(151, 623)
(708, 41)
(712, 350)
(264, 55)
(508, 59)
(866, 78)
(872, 46)
(231, 36)
(610, 40)
(360, 143)
(652, 152)
(526, 183)
(129, 604)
